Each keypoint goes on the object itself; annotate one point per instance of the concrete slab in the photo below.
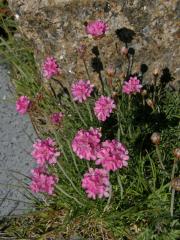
(16, 138)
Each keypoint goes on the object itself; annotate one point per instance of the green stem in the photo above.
(85, 65)
(77, 110)
(143, 100)
(172, 202)
(89, 110)
(88, 165)
(73, 157)
(159, 157)
(118, 135)
(68, 178)
(129, 102)
(69, 196)
(120, 128)
(173, 169)
(120, 185)
(109, 198)
(129, 130)
(173, 172)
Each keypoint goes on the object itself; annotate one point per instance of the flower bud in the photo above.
(155, 138)
(176, 153)
(175, 183)
(156, 72)
(150, 103)
(81, 49)
(124, 51)
(122, 75)
(143, 92)
(111, 71)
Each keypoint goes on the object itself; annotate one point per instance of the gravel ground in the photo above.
(16, 137)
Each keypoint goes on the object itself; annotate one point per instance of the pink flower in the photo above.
(56, 118)
(97, 28)
(42, 182)
(22, 105)
(104, 107)
(50, 67)
(45, 151)
(112, 155)
(81, 90)
(96, 183)
(132, 86)
(86, 143)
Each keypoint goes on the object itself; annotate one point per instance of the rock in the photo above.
(56, 27)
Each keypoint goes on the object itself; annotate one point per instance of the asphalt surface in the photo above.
(16, 138)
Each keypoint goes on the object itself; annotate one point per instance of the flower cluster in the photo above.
(104, 107)
(42, 182)
(81, 90)
(112, 155)
(57, 117)
(86, 143)
(45, 151)
(132, 86)
(96, 183)
(22, 105)
(96, 28)
(50, 67)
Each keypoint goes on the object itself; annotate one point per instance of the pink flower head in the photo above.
(56, 118)
(50, 67)
(132, 86)
(45, 151)
(81, 90)
(96, 28)
(112, 155)
(96, 183)
(42, 182)
(22, 105)
(86, 143)
(104, 107)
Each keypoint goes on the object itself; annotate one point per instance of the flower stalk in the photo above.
(69, 196)
(120, 185)
(172, 202)
(89, 111)
(68, 178)
(159, 157)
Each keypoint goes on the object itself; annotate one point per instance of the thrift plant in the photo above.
(107, 154)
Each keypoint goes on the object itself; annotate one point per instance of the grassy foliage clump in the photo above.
(139, 206)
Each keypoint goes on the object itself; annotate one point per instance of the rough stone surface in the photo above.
(16, 136)
(56, 27)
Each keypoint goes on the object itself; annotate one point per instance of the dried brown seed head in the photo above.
(144, 92)
(111, 71)
(175, 183)
(156, 72)
(176, 153)
(124, 51)
(155, 138)
(150, 103)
